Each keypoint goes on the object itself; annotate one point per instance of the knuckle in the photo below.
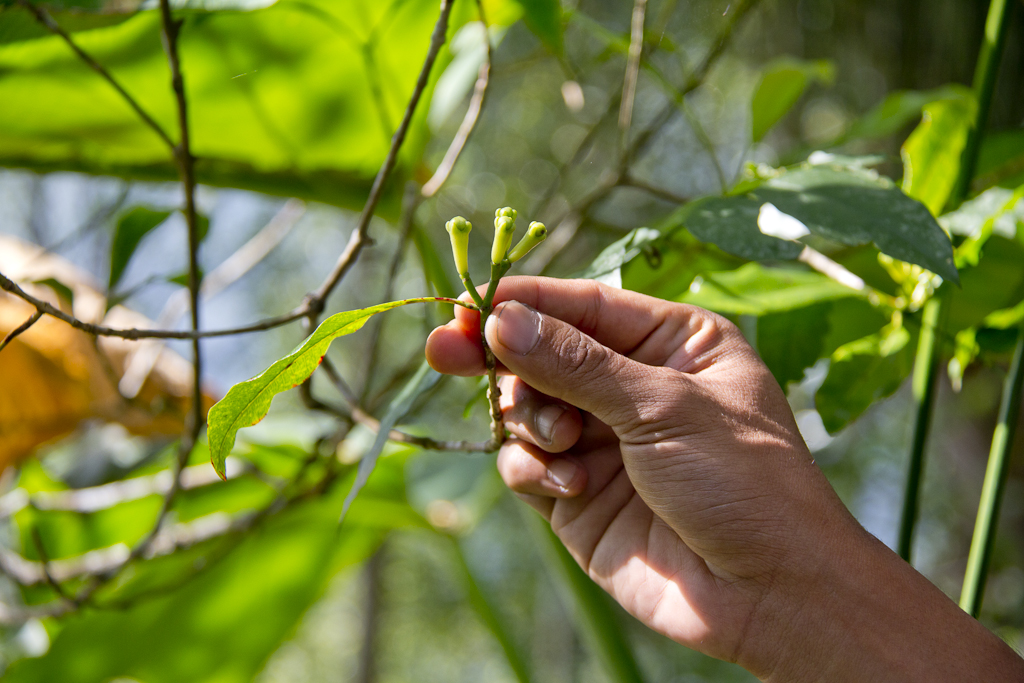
(578, 356)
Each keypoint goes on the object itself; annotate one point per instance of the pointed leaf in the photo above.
(852, 206)
(247, 403)
(130, 230)
(425, 378)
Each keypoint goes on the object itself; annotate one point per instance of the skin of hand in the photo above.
(667, 460)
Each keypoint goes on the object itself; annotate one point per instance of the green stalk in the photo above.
(926, 361)
(996, 25)
(598, 622)
(995, 483)
(487, 615)
(926, 368)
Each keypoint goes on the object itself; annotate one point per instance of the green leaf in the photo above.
(898, 109)
(782, 84)
(931, 155)
(298, 99)
(996, 282)
(670, 265)
(995, 212)
(130, 230)
(544, 18)
(846, 205)
(425, 378)
(608, 263)
(756, 290)
(247, 403)
(791, 341)
(1001, 159)
(863, 372)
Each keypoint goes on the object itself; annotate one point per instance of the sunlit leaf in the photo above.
(847, 205)
(131, 229)
(247, 403)
(863, 372)
(931, 155)
(756, 290)
(781, 85)
(299, 99)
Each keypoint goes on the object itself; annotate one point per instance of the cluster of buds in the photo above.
(501, 253)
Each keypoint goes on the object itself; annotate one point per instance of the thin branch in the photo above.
(44, 18)
(636, 48)
(186, 169)
(315, 301)
(659, 192)
(476, 104)
(103, 563)
(33, 319)
(95, 498)
(696, 78)
(8, 285)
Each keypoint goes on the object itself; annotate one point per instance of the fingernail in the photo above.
(562, 472)
(545, 420)
(514, 326)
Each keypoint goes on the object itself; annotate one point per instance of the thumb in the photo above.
(559, 360)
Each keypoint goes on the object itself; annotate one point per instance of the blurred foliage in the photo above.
(300, 98)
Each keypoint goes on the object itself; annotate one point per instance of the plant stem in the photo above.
(995, 482)
(985, 72)
(928, 351)
(493, 390)
(926, 367)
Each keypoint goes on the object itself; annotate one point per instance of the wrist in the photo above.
(852, 610)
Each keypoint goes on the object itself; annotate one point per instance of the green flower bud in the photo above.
(505, 212)
(504, 226)
(458, 229)
(534, 236)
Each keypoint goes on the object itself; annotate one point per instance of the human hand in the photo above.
(667, 460)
